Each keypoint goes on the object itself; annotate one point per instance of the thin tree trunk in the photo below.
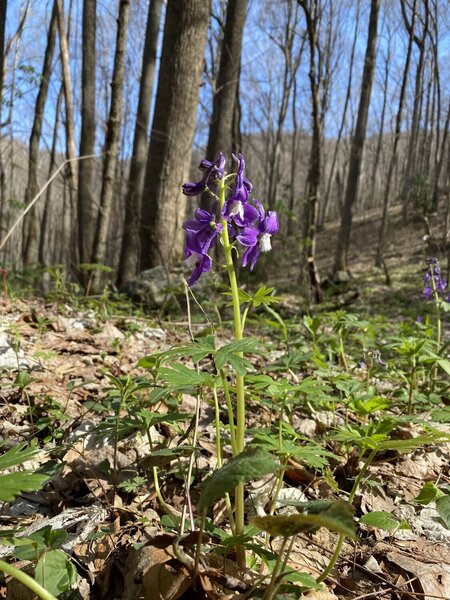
(49, 234)
(343, 242)
(440, 162)
(163, 207)
(87, 202)
(418, 93)
(394, 156)
(130, 242)
(31, 227)
(322, 216)
(70, 130)
(376, 160)
(111, 147)
(312, 11)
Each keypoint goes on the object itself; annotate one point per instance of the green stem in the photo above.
(240, 387)
(226, 391)
(219, 456)
(351, 497)
(28, 581)
(269, 593)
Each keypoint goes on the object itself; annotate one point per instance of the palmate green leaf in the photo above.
(443, 509)
(55, 572)
(251, 464)
(179, 376)
(337, 516)
(380, 519)
(229, 354)
(17, 455)
(13, 484)
(435, 437)
(196, 350)
(428, 493)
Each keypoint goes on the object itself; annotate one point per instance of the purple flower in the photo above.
(204, 228)
(213, 172)
(197, 258)
(237, 207)
(256, 237)
(433, 281)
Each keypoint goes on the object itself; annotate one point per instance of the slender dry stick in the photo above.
(194, 439)
(39, 194)
(342, 536)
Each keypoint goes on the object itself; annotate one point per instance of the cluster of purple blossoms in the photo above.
(246, 219)
(433, 280)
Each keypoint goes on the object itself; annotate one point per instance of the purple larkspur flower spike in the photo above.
(236, 208)
(204, 228)
(213, 172)
(196, 258)
(256, 237)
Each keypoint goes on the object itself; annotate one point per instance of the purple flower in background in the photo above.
(204, 228)
(256, 237)
(213, 172)
(433, 282)
(197, 258)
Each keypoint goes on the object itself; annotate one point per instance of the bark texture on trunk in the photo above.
(111, 148)
(357, 148)
(31, 227)
(163, 206)
(221, 126)
(87, 202)
(129, 257)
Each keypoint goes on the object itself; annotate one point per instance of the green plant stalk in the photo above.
(240, 386)
(226, 391)
(28, 581)
(438, 330)
(271, 589)
(412, 385)
(341, 539)
(219, 456)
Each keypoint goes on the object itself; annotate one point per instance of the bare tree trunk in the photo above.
(421, 44)
(312, 11)
(393, 161)
(47, 236)
(343, 242)
(130, 242)
(322, 216)
(221, 126)
(31, 227)
(291, 64)
(87, 203)
(111, 147)
(163, 207)
(3, 10)
(440, 162)
(70, 130)
(376, 160)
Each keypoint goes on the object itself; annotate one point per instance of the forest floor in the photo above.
(361, 377)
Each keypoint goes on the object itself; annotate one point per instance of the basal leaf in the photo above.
(13, 484)
(381, 519)
(428, 493)
(178, 375)
(17, 455)
(55, 572)
(250, 464)
(443, 509)
(336, 517)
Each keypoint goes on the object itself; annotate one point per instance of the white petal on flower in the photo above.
(192, 259)
(237, 208)
(264, 242)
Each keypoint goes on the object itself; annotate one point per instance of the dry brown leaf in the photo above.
(434, 578)
(161, 582)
